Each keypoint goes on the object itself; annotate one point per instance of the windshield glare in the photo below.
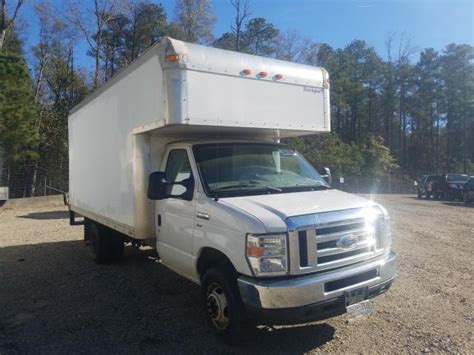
(235, 169)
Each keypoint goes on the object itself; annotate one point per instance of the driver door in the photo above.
(174, 217)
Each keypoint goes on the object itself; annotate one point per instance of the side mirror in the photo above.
(159, 188)
(157, 185)
(327, 175)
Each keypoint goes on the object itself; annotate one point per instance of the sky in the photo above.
(426, 23)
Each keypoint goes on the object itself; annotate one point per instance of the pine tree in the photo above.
(18, 113)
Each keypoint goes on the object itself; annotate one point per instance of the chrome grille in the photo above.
(316, 240)
(330, 254)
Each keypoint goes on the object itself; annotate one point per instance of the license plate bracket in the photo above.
(355, 296)
(357, 304)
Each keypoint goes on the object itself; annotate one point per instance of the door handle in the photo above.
(159, 220)
(203, 215)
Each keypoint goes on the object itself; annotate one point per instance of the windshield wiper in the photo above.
(268, 187)
(312, 187)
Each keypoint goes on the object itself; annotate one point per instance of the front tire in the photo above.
(222, 303)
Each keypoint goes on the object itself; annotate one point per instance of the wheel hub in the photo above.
(217, 306)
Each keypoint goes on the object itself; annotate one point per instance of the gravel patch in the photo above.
(54, 299)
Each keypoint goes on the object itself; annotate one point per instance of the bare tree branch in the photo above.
(103, 11)
(242, 11)
(4, 24)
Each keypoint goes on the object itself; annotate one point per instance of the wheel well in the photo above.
(211, 257)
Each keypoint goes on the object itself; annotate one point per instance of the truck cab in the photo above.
(256, 219)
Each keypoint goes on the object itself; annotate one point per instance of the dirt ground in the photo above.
(53, 298)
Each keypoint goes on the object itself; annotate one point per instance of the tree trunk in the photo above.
(33, 180)
(40, 78)
(8, 171)
(3, 34)
(431, 138)
(464, 126)
(97, 64)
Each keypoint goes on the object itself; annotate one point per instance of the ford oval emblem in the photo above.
(347, 242)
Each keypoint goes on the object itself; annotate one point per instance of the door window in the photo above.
(179, 175)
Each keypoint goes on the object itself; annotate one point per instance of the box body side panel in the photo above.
(102, 153)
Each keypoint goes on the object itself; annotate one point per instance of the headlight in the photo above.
(267, 254)
(379, 222)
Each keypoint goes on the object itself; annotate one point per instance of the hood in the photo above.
(273, 209)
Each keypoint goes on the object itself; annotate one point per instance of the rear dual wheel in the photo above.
(106, 244)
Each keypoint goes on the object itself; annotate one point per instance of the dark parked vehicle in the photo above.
(455, 185)
(432, 186)
(468, 191)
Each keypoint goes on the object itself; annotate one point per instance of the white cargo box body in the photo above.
(175, 90)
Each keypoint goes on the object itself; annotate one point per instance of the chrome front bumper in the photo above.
(302, 291)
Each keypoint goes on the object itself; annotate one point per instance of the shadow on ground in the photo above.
(447, 203)
(55, 299)
(60, 214)
(420, 199)
(458, 204)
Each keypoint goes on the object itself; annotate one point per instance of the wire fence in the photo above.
(35, 178)
(387, 184)
(50, 176)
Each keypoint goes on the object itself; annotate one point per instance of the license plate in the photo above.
(359, 310)
(357, 304)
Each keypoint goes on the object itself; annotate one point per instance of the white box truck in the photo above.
(181, 151)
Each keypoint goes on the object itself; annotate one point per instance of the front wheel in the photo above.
(222, 304)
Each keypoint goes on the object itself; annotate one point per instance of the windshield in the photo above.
(236, 169)
(458, 177)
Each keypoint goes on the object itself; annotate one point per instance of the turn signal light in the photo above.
(255, 251)
(172, 58)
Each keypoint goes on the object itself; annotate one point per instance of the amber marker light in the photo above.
(262, 74)
(278, 76)
(247, 71)
(172, 58)
(255, 251)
